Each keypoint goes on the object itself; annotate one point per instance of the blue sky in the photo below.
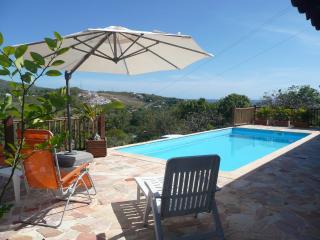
(259, 45)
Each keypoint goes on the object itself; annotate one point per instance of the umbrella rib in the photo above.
(89, 46)
(115, 46)
(130, 44)
(76, 44)
(80, 35)
(142, 50)
(125, 63)
(156, 54)
(97, 55)
(174, 45)
(110, 46)
(89, 53)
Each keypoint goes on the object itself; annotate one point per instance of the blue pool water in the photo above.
(236, 146)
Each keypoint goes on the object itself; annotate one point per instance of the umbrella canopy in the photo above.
(123, 51)
(120, 50)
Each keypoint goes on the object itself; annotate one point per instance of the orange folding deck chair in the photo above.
(42, 172)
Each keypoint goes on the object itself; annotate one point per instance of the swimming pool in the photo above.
(236, 146)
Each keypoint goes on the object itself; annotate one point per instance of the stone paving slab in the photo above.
(280, 200)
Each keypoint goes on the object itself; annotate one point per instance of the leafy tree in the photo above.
(228, 103)
(294, 97)
(24, 69)
(92, 112)
(117, 137)
(186, 108)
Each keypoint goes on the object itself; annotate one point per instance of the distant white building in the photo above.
(93, 98)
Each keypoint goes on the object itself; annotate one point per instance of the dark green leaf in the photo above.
(53, 73)
(27, 77)
(30, 66)
(8, 50)
(14, 72)
(52, 44)
(37, 58)
(1, 38)
(16, 93)
(57, 63)
(58, 36)
(14, 112)
(5, 61)
(4, 71)
(20, 51)
(62, 51)
(13, 84)
(5, 208)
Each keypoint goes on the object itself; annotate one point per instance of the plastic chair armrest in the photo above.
(152, 190)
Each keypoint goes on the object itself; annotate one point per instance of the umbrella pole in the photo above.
(67, 77)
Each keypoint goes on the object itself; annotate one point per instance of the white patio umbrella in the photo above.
(122, 51)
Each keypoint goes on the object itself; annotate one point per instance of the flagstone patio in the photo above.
(279, 200)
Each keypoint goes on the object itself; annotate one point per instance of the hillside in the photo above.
(130, 99)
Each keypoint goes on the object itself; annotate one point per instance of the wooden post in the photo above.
(102, 126)
(233, 117)
(8, 133)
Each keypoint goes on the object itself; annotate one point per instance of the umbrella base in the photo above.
(67, 160)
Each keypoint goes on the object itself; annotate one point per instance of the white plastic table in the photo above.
(16, 179)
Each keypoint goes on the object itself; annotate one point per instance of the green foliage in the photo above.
(37, 58)
(62, 51)
(27, 71)
(4, 71)
(53, 73)
(20, 51)
(264, 113)
(1, 39)
(300, 114)
(294, 97)
(228, 103)
(151, 123)
(117, 137)
(57, 63)
(193, 106)
(4, 208)
(281, 114)
(51, 43)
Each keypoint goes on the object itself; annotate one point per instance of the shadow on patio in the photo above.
(279, 200)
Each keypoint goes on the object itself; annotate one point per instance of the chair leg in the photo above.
(138, 194)
(217, 221)
(157, 221)
(147, 210)
(68, 200)
(38, 215)
(93, 186)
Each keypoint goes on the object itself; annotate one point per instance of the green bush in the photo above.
(300, 114)
(117, 137)
(264, 113)
(281, 114)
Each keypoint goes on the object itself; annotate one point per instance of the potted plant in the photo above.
(281, 117)
(96, 144)
(300, 118)
(263, 115)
